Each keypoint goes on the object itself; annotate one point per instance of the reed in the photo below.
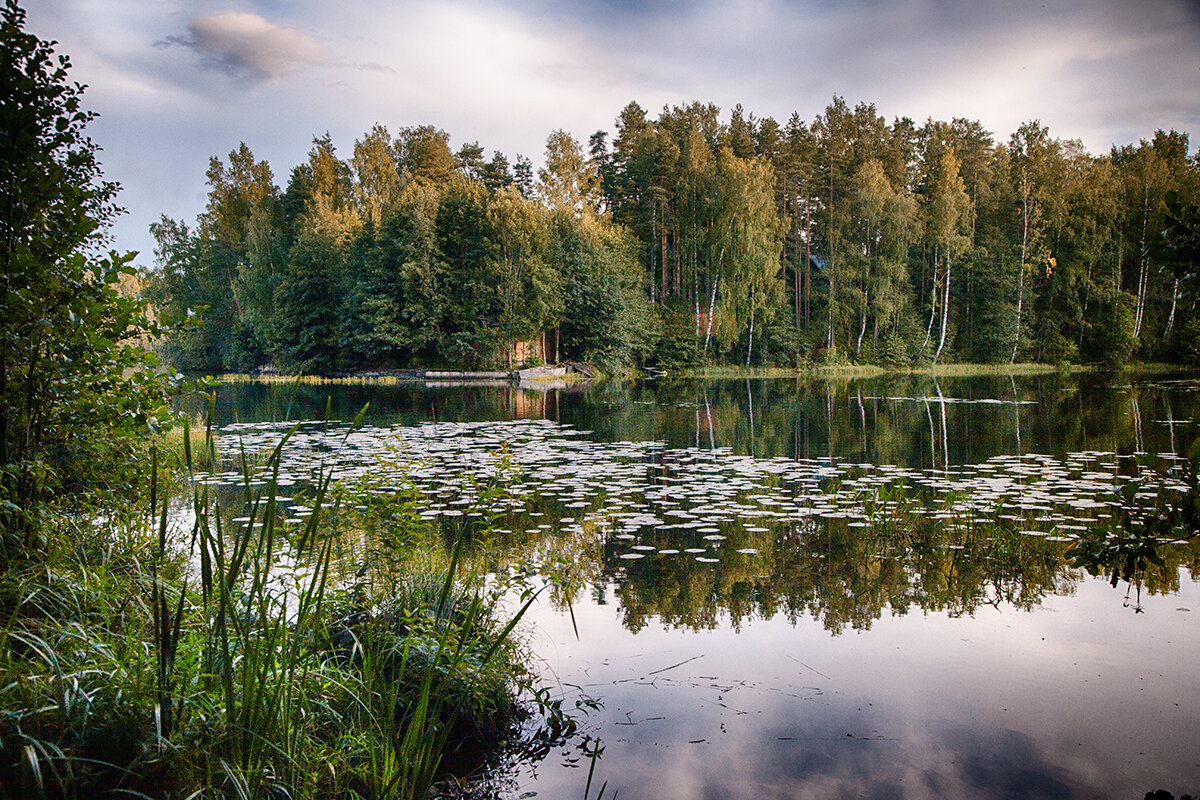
(145, 661)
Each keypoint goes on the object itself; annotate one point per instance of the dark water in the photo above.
(912, 421)
(826, 653)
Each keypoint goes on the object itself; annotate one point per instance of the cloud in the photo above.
(507, 72)
(250, 49)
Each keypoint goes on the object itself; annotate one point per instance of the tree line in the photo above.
(692, 239)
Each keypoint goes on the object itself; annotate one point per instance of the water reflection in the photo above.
(846, 579)
(1066, 700)
(700, 538)
(913, 420)
(875, 604)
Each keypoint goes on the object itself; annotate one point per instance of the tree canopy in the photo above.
(694, 237)
(77, 387)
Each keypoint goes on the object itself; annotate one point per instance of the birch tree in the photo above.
(946, 209)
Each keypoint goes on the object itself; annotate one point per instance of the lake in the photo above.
(821, 589)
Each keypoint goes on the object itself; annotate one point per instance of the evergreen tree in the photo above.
(843, 236)
(497, 174)
(307, 306)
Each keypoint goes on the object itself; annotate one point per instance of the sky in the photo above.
(178, 81)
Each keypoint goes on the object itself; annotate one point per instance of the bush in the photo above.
(121, 676)
(677, 347)
(79, 392)
(1108, 333)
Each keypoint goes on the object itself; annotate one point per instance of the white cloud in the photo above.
(249, 48)
(507, 73)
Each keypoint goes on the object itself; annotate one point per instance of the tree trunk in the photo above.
(807, 267)
(695, 282)
(829, 338)
(796, 279)
(945, 309)
(750, 340)
(712, 299)
(862, 329)
(1143, 265)
(1120, 258)
(830, 267)
(1174, 304)
(1021, 276)
(865, 287)
(653, 236)
(933, 301)
(662, 260)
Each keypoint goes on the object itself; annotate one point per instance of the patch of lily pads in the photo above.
(650, 501)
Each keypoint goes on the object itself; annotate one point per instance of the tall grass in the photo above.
(875, 370)
(219, 661)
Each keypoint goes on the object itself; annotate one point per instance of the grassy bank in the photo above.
(372, 379)
(721, 372)
(244, 655)
(940, 370)
(871, 371)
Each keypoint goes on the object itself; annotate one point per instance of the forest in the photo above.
(204, 603)
(687, 240)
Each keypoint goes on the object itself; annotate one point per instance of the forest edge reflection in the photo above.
(840, 577)
(840, 571)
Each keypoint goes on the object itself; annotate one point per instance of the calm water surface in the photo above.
(805, 648)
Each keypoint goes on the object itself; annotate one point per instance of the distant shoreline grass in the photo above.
(941, 370)
(842, 371)
(369, 379)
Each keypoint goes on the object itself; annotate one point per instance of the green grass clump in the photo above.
(231, 660)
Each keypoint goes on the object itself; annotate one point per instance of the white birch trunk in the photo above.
(945, 309)
(1021, 278)
(712, 300)
(1174, 304)
(1143, 265)
(750, 341)
(933, 303)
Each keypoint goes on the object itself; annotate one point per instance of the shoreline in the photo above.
(558, 376)
(435, 377)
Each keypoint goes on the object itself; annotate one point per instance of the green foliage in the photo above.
(77, 390)
(126, 670)
(1112, 340)
(1145, 523)
(678, 347)
(856, 232)
(606, 319)
(1187, 341)
(307, 306)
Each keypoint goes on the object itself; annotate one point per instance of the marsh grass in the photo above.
(733, 371)
(142, 661)
(318, 380)
(875, 370)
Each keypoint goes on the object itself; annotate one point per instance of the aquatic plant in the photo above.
(136, 663)
(1157, 510)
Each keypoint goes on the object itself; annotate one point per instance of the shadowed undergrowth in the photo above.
(235, 659)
